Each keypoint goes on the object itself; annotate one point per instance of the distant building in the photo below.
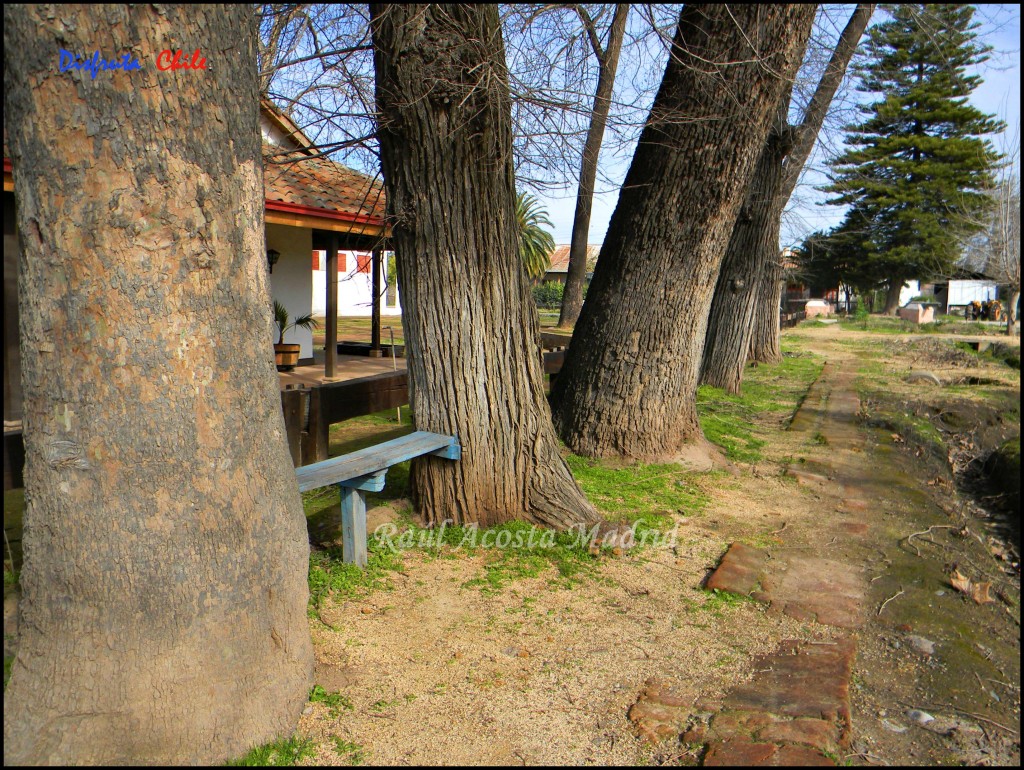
(958, 294)
(559, 267)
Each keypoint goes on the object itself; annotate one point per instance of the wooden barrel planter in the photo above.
(286, 356)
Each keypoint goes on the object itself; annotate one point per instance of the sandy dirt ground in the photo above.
(438, 672)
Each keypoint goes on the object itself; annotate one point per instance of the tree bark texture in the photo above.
(628, 385)
(608, 62)
(765, 333)
(753, 245)
(472, 332)
(164, 593)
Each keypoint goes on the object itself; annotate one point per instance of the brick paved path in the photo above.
(796, 710)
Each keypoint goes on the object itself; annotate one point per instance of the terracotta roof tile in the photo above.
(323, 184)
(560, 258)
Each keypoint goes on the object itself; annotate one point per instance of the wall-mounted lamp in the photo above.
(272, 256)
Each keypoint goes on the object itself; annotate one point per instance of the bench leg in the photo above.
(353, 525)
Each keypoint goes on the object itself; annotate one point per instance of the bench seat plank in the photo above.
(374, 459)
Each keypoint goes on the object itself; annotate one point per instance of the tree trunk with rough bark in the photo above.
(628, 385)
(473, 335)
(726, 351)
(1011, 313)
(608, 62)
(753, 245)
(164, 593)
(892, 296)
(765, 335)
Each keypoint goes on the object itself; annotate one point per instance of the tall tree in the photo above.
(628, 385)
(164, 584)
(918, 173)
(446, 151)
(608, 61)
(750, 270)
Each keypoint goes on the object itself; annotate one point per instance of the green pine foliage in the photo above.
(535, 242)
(918, 171)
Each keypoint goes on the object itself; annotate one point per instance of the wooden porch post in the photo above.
(331, 322)
(375, 260)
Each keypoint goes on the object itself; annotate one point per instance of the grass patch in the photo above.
(334, 701)
(330, 576)
(648, 494)
(732, 421)
(359, 329)
(348, 751)
(566, 553)
(383, 705)
(510, 552)
(880, 324)
(280, 753)
(719, 600)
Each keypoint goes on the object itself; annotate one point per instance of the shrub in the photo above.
(548, 294)
(861, 313)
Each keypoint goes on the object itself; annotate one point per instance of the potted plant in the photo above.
(286, 355)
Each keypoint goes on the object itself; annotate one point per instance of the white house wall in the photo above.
(290, 283)
(910, 290)
(355, 289)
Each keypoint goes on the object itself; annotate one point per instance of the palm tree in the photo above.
(535, 243)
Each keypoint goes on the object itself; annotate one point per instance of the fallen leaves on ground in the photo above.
(977, 591)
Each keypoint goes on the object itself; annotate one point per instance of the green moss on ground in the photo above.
(742, 424)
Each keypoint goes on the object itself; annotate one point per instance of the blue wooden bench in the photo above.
(363, 471)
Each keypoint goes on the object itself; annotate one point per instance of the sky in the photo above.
(999, 94)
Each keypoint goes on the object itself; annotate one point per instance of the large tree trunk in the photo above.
(753, 245)
(738, 326)
(628, 385)
(892, 296)
(765, 342)
(164, 585)
(1011, 312)
(446, 151)
(608, 62)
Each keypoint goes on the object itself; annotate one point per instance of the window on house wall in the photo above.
(316, 260)
(342, 262)
(363, 263)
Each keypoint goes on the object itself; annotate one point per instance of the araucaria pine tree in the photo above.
(918, 171)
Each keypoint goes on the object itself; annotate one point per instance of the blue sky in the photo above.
(999, 94)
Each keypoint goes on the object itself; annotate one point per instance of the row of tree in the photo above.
(163, 586)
